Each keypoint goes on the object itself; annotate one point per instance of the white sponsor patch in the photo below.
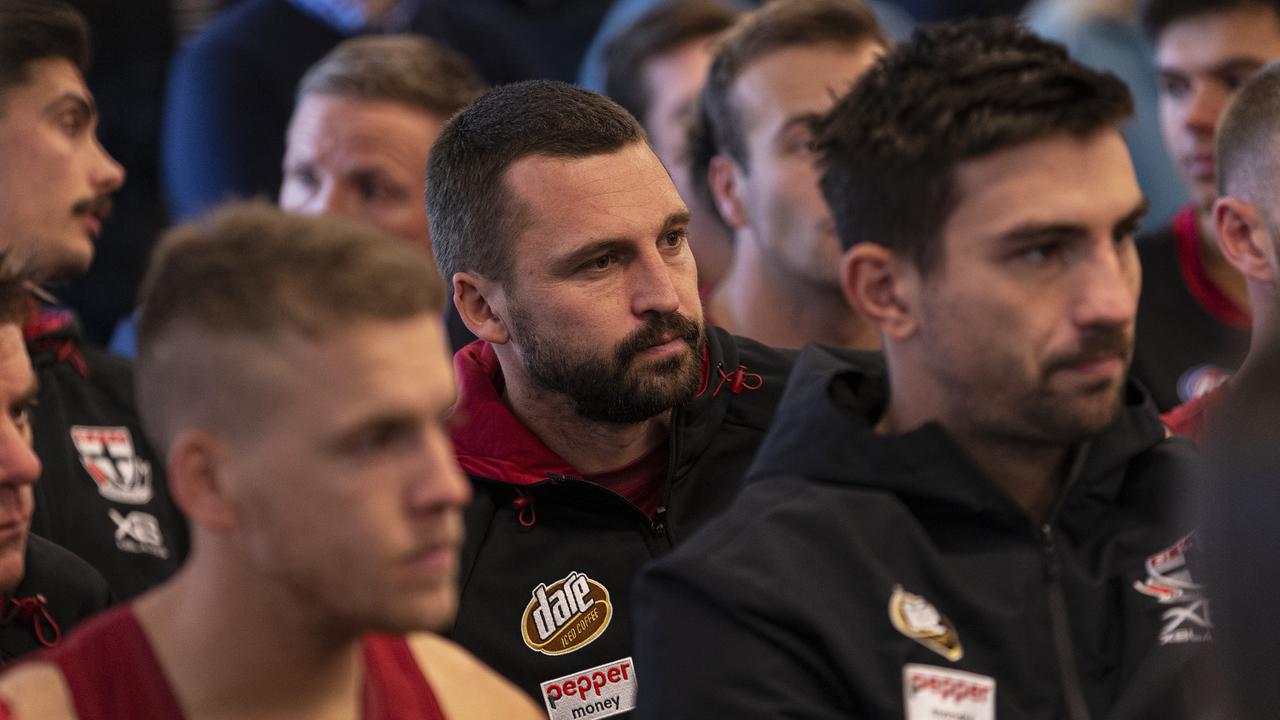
(107, 455)
(599, 692)
(1169, 581)
(935, 693)
(138, 532)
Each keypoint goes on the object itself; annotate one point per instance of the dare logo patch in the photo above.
(919, 620)
(566, 615)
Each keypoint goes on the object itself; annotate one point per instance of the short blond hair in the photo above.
(247, 276)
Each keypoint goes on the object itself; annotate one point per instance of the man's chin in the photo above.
(12, 568)
(1091, 415)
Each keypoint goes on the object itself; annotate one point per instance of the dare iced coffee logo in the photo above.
(566, 615)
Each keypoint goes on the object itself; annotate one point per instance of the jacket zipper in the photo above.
(1077, 707)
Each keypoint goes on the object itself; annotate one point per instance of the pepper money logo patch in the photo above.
(566, 615)
(934, 693)
(919, 620)
(107, 455)
(599, 692)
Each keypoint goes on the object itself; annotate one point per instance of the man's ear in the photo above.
(882, 287)
(197, 476)
(1244, 237)
(481, 304)
(724, 179)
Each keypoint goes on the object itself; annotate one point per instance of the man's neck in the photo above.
(1221, 272)
(1031, 474)
(762, 301)
(232, 650)
(589, 446)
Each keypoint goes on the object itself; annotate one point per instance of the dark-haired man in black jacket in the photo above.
(987, 524)
(600, 420)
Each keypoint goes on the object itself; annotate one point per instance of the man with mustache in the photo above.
(986, 522)
(102, 494)
(296, 374)
(1193, 317)
(600, 421)
(772, 74)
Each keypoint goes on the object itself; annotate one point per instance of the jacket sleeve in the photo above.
(701, 656)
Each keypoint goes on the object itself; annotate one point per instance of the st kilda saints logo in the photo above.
(108, 455)
(919, 620)
(566, 615)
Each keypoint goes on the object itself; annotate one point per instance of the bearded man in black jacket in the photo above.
(600, 420)
(988, 522)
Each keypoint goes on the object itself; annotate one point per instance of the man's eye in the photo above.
(379, 436)
(305, 177)
(1043, 254)
(1235, 80)
(72, 123)
(604, 262)
(674, 238)
(378, 189)
(20, 413)
(1174, 87)
(370, 189)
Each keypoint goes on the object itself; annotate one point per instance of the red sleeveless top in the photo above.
(113, 673)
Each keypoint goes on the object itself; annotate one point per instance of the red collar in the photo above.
(1186, 230)
(489, 440)
(492, 443)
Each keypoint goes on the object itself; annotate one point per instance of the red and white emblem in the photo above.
(108, 456)
(1169, 582)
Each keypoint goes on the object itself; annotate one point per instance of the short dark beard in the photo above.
(608, 389)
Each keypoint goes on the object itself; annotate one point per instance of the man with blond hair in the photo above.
(295, 374)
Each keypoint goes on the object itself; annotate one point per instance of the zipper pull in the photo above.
(1052, 569)
(658, 525)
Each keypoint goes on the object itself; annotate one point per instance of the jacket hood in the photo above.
(492, 443)
(489, 440)
(52, 333)
(833, 401)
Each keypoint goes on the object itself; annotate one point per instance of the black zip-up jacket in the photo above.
(850, 556)
(58, 590)
(102, 493)
(533, 522)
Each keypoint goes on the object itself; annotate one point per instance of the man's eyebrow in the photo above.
(82, 103)
(1129, 223)
(805, 120)
(681, 217)
(1227, 66)
(30, 393)
(1036, 231)
(1032, 232)
(571, 260)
